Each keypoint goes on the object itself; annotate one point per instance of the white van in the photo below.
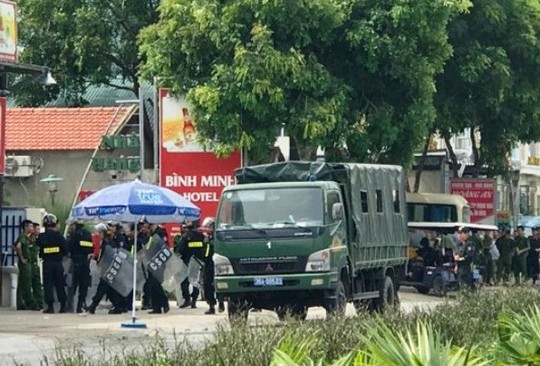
(437, 207)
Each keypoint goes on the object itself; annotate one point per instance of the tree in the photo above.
(356, 77)
(492, 82)
(83, 42)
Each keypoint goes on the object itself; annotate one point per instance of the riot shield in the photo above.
(157, 255)
(116, 266)
(173, 273)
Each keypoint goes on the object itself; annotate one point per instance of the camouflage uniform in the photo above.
(25, 298)
(36, 273)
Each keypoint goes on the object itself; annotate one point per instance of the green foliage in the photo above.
(519, 333)
(356, 76)
(82, 41)
(422, 347)
(492, 82)
(459, 328)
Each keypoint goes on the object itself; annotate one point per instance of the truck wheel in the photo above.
(237, 309)
(337, 305)
(387, 297)
(439, 286)
(422, 289)
(298, 312)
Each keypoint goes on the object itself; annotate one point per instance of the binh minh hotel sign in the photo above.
(186, 167)
(8, 31)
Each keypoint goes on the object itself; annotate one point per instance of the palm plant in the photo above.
(424, 347)
(383, 346)
(519, 335)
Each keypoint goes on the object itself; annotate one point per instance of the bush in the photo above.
(471, 321)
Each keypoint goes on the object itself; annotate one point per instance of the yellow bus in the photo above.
(437, 207)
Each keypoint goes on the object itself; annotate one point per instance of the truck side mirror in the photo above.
(337, 211)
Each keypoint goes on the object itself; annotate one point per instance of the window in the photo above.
(395, 198)
(332, 197)
(363, 199)
(378, 196)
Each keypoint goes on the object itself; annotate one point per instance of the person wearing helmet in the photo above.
(80, 247)
(106, 236)
(207, 228)
(152, 287)
(190, 247)
(52, 249)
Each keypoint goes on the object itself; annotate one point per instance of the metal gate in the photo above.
(11, 228)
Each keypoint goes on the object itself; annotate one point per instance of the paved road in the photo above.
(27, 336)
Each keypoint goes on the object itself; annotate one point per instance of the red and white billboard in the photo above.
(2, 136)
(480, 193)
(185, 167)
(8, 31)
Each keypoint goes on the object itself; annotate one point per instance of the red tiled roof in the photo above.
(41, 129)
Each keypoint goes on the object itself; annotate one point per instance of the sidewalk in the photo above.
(29, 336)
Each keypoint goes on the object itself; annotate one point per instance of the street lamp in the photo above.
(51, 181)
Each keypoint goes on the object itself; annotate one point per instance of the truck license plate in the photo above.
(268, 281)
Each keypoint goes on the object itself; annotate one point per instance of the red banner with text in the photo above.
(480, 193)
(185, 167)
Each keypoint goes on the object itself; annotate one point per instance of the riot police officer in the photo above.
(208, 227)
(190, 247)
(52, 249)
(80, 247)
(153, 285)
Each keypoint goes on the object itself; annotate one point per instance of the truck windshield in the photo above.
(271, 208)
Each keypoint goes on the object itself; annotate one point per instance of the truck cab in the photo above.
(300, 234)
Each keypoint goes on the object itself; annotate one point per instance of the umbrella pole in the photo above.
(134, 323)
(133, 304)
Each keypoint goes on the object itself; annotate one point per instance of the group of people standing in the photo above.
(194, 246)
(490, 256)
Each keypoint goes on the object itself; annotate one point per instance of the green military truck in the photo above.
(298, 234)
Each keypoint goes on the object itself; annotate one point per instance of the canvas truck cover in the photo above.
(374, 198)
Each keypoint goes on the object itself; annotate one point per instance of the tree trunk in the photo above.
(476, 154)
(421, 163)
(453, 158)
(302, 152)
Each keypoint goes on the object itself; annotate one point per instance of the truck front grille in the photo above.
(269, 267)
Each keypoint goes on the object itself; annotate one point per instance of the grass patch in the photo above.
(472, 321)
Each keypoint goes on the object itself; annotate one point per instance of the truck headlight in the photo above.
(222, 265)
(319, 261)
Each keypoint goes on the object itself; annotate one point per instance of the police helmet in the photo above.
(209, 222)
(101, 227)
(49, 220)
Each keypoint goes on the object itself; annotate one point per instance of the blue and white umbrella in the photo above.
(133, 201)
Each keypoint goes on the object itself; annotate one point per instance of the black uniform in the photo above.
(208, 272)
(80, 246)
(533, 267)
(466, 251)
(52, 248)
(190, 244)
(103, 287)
(153, 287)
